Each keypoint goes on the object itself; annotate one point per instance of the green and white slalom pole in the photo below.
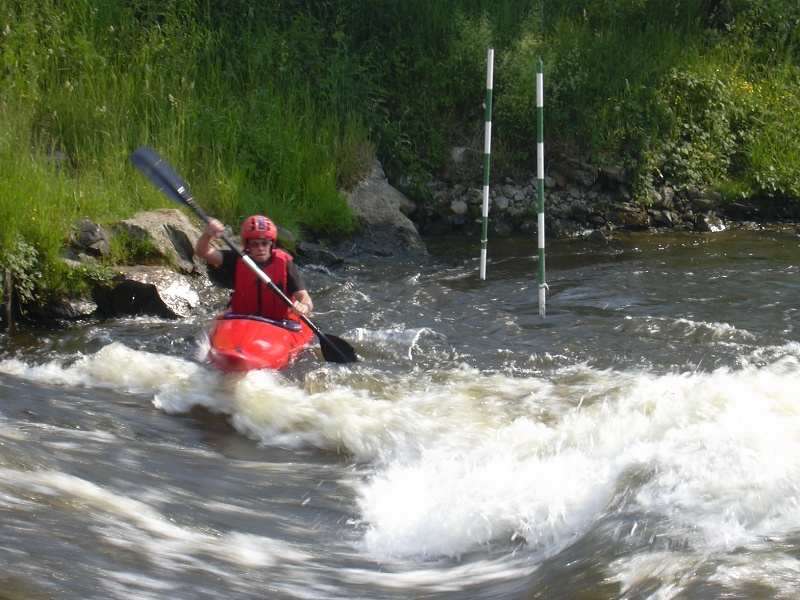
(487, 150)
(540, 179)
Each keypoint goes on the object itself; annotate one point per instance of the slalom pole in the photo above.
(540, 179)
(487, 150)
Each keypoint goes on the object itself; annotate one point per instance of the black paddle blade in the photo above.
(158, 170)
(336, 350)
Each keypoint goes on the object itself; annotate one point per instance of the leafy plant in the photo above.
(20, 261)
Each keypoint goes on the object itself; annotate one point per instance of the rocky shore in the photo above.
(581, 201)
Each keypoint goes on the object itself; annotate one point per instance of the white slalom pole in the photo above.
(540, 179)
(487, 150)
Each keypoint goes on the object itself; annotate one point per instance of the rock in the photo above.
(663, 218)
(597, 220)
(70, 310)
(283, 234)
(475, 196)
(171, 234)
(597, 237)
(385, 229)
(559, 178)
(614, 173)
(580, 209)
(158, 291)
(629, 216)
(708, 222)
(692, 194)
(463, 165)
(737, 210)
(138, 290)
(500, 229)
(91, 238)
(59, 159)
(459, 154)
(581, 173)
(501, 203)
(563, 228)
(308, 252)
(668, 197)
(702, 204)
(459, 207)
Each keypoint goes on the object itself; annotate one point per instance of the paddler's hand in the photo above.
(214, 229)
(301, 308)
(203, 247)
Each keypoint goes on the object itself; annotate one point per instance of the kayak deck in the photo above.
(247, 342)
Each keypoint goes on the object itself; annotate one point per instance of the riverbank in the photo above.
(585, 200)
(685, 94)
(581, 202)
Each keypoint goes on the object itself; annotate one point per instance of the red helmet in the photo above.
(258, 227)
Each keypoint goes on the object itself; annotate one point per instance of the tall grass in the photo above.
(273, 107)
(82, 84)
(40, 202)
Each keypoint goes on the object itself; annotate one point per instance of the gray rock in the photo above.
(91, 238)
(664, 218)
(69, 310)
(615, 173)
(459, 207)
(159, 291)
(708, 222)
(171, 234)
(597, 237)
(385, 228)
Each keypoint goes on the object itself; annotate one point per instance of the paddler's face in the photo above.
(260, 250)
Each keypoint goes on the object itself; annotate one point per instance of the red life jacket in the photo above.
(251, 296)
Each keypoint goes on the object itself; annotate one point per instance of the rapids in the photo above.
(640, 441)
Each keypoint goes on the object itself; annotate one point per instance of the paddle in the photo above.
(157, 170)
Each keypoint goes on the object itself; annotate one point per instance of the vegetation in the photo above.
(273, 107)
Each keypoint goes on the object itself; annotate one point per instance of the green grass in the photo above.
(275, 107)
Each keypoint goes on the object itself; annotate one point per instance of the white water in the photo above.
(462, 460)
(440, 475)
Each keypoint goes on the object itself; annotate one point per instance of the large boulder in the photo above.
(147, 290)
(136, 290)
(57, 313)
(381, 210)
(171, 234)
(171, 290)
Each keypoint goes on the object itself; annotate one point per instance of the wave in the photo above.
(457, 459)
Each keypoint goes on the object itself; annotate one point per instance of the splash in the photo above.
(717, 455)
(456, 459)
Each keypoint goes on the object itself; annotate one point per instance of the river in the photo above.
(642, 440)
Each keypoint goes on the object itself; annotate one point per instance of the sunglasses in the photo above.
(259, 243)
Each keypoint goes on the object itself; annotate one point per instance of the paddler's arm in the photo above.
(296, 289)
(303, 304)
(204, 249)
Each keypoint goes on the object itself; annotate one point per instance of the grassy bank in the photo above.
(274, 107)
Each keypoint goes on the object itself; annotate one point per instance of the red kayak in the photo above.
(247, 342)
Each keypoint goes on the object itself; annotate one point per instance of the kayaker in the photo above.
(250, 295)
